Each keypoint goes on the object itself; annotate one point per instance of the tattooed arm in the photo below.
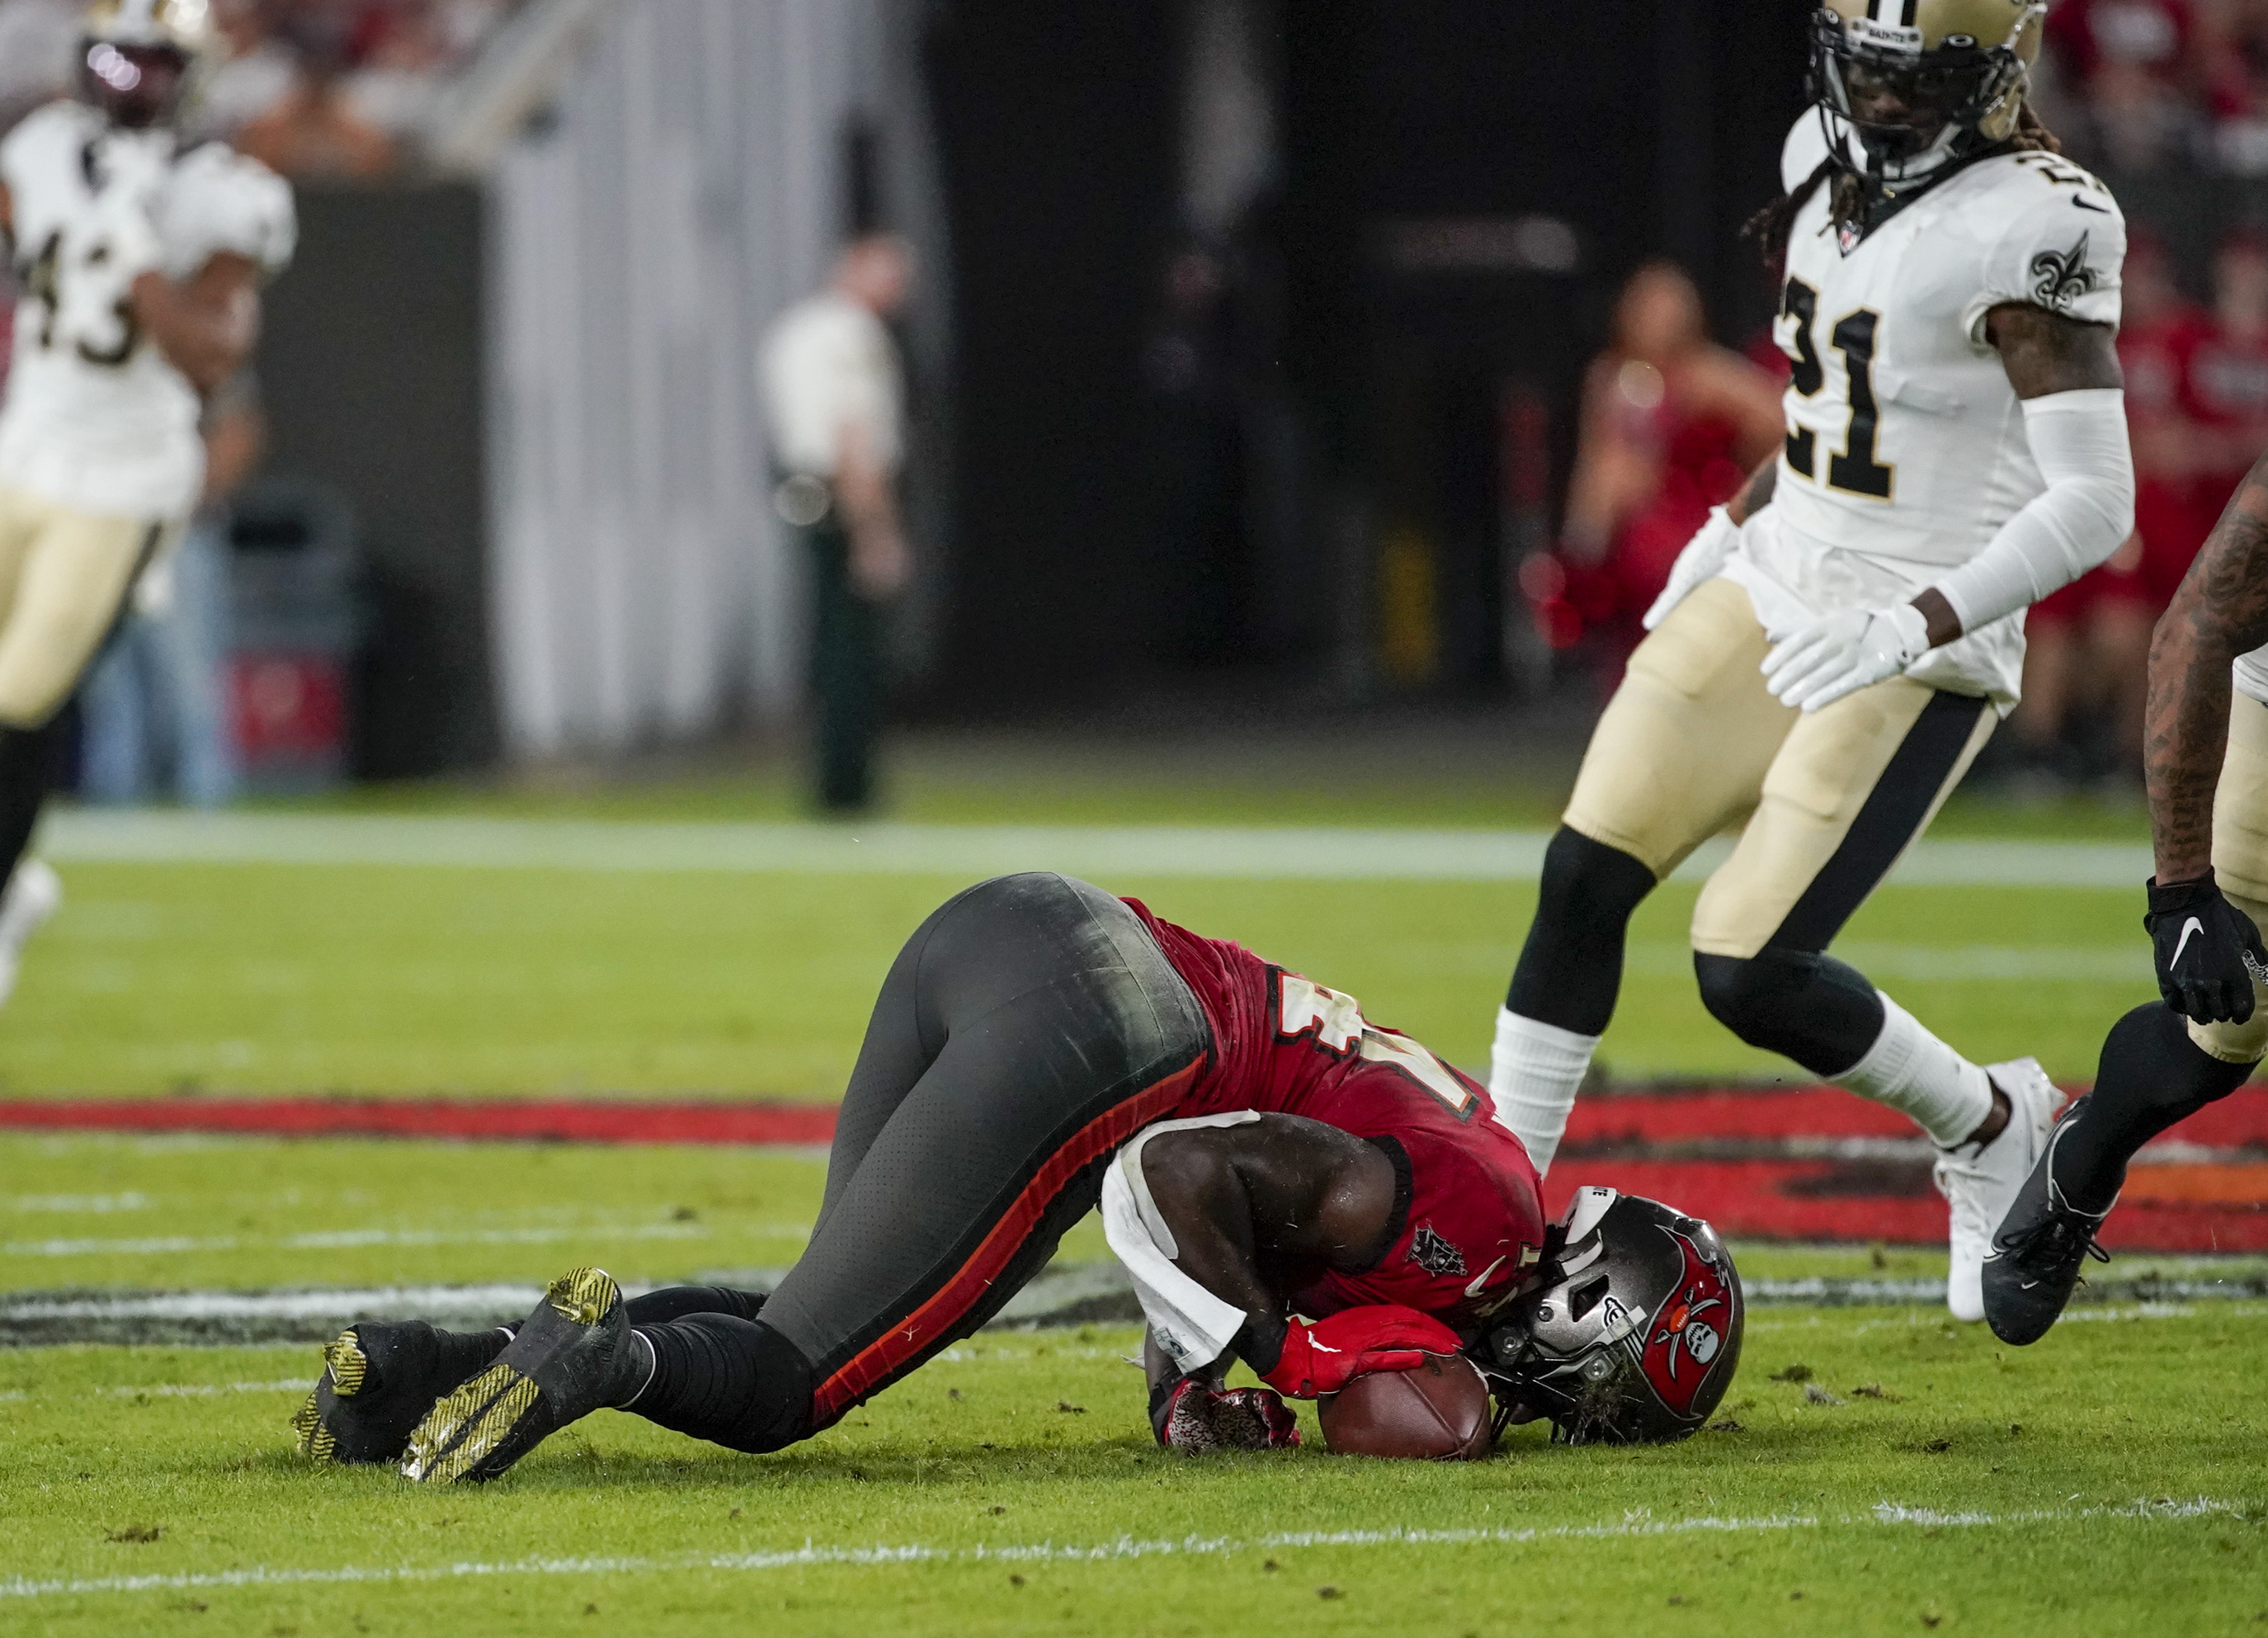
(2221, 612)
(1757, 493)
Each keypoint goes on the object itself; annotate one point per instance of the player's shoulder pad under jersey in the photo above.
(1804, 151)
(2054, 238)
(53, 135)
(220, 200)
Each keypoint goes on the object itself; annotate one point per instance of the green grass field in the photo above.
(2112, 1477)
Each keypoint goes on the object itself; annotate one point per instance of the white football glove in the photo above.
(1836, 655)
(1703, 558)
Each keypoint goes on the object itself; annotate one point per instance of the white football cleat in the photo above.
(1981, 1182)
(34, 893)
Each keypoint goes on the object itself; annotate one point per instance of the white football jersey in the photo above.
(2252, 675)
(1906, 449)
(96, 417)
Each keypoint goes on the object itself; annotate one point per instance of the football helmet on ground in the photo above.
(1922, 82)
(140, 59)
(1631, 1331)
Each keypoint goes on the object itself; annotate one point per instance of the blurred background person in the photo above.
(314, 129)
(2086, 667)
(154, 710)
(141, 298)
(1672, 424)
(834, 390)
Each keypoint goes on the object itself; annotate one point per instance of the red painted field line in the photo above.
(565, 1120)
(1760, 1116)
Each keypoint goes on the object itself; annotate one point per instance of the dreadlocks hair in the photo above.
(1770, 227)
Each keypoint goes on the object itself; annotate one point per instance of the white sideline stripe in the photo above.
(1885, 1513)
(281, 1305)
(962, 852)
(203, 1391)
(343, 1239)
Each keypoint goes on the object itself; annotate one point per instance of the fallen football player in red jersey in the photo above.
(1289, 1184)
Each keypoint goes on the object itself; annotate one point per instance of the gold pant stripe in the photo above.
(65, 576)
(1693, 742)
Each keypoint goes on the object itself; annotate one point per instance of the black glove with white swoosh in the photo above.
(2209, 953)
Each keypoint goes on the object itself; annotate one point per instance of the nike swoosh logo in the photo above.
(1474, 1289)
(2189, 928)
(2098, 210)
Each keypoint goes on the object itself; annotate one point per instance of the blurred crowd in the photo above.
(2139, 86)
(315, 88)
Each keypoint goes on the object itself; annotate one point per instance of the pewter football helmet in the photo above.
(1629, 1333)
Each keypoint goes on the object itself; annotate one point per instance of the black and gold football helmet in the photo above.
(139, 60)
(1922, 82)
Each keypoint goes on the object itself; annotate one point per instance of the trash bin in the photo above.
(293, 574)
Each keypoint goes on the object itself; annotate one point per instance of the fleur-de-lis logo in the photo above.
(2058, 280)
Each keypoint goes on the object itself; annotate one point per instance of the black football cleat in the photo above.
(2036, 1254)
(575, 1354)
(378, 1379)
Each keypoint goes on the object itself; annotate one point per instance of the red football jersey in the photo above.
(1471, 1209)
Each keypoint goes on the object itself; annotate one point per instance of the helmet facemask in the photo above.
(136, 87)
(141, 61)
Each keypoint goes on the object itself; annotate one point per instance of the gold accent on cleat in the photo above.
(349, 1366)
(466, 1426)
(583, 1294)
(306, 1423)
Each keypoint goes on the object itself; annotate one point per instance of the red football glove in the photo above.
(1197, 1417)
(1324, 1357)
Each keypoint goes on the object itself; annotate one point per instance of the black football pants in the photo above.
(1026, 1030)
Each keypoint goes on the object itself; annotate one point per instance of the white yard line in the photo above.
(1884, 1513)
(962, 852)
(348, 1239)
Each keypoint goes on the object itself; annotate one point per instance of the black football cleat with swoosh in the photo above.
(2037, 1251)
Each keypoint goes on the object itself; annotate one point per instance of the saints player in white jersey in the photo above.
(2206, 759)
(1833, 648)
(141, 266)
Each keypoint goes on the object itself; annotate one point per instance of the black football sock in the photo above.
(1570, 969)
(27, 758)
(734, 1381)
(2152, 1076)
(659, 1307)
(466, 1354)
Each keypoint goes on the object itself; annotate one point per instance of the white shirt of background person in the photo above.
(834, 394)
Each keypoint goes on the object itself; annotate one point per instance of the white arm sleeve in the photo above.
(2084, 516)
(1189, 1322)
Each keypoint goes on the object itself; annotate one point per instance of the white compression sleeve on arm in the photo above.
(1189, 1322)
(2083, 517)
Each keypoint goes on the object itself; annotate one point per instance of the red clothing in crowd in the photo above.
(2172, 512)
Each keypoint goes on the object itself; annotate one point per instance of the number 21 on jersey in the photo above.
(1856, 469)
(1336, 1023)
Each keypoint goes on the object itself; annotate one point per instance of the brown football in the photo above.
(1439, 1413)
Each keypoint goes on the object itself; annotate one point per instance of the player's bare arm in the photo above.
(1757, 493)
(206, 324)
(1281, 1189)
(2220, 611)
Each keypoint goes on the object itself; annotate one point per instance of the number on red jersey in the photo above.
(1336, 1024)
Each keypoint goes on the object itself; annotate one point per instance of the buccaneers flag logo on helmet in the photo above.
(1688, 1332)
